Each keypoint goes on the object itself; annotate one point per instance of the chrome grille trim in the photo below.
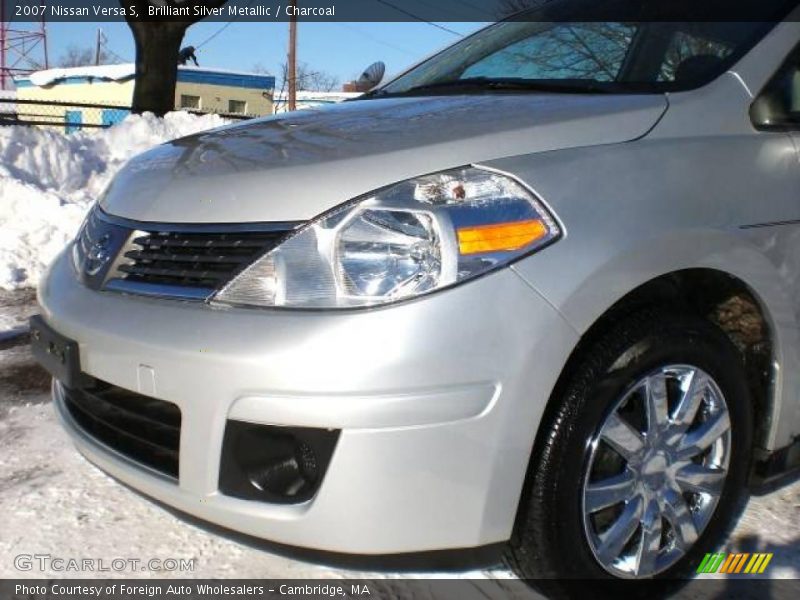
(172, 260)
(145, 226)
(158, 291)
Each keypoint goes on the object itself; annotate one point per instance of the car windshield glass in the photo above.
(573, 56)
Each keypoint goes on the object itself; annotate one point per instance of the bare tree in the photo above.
(76, 56)
(566, 51)
(260, 68)
(309, 79)
(595, 50)
(685, 46)
(582, 50)
(158, 43)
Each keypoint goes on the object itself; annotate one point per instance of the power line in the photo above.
(221, 29)
(376, 39)
(215, 34)
(418, 18)
(104, 46)
(114, 54)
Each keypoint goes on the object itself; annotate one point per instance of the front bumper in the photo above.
(438, 401)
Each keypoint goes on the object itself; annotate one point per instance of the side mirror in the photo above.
(371, 77)
(767, 111)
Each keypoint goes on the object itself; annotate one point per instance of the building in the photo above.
(46, 96)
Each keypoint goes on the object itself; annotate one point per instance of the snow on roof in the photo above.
(110, 72)
(114, 73)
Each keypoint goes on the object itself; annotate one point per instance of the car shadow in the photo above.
(446, 561)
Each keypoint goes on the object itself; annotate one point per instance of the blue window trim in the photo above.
(112, 116)
(256, 82)
(73, 121)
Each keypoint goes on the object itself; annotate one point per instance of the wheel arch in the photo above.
(721, 298)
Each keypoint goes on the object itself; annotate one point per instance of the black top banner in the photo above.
(399, 10)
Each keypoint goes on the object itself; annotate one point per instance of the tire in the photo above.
(552, 538)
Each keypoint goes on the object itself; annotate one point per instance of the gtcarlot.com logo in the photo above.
(744, 563)
(48, 562)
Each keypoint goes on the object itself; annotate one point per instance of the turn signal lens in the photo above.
(503, 237)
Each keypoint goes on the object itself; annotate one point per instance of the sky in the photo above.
(341, 49)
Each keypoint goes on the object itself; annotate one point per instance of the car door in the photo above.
(789, 83)
(776, 111)
(793, 120)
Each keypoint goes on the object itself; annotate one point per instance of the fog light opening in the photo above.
(274, 464)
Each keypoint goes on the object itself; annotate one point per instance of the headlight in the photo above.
(405, 240)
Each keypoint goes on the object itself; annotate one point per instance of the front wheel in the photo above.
(642, 461)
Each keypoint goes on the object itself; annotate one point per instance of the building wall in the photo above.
(216, 98)
(215, 90)
(96, 92)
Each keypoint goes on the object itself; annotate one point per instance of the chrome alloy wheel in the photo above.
(656, 470)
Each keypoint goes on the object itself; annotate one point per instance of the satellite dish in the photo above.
(372, 76)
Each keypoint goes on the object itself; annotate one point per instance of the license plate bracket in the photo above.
(59, 355)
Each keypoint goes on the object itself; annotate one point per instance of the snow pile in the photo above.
(48, 180)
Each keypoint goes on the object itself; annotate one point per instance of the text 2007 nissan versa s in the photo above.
(540, 292)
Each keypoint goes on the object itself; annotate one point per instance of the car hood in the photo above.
(294, 166)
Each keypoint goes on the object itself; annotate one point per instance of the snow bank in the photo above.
(48, 180)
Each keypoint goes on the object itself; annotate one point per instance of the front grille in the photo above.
(198, 260)
(187, 261)
(142, 428)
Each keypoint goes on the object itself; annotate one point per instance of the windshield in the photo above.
(615, 56)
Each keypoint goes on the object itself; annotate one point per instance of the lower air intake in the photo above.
(144, 429)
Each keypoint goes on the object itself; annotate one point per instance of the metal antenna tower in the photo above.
(23, 45)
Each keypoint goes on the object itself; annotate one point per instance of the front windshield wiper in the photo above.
(482, 84)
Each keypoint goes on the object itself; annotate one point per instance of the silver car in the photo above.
(539, 295)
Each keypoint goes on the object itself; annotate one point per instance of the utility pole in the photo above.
(97, 46)
(291, 68)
